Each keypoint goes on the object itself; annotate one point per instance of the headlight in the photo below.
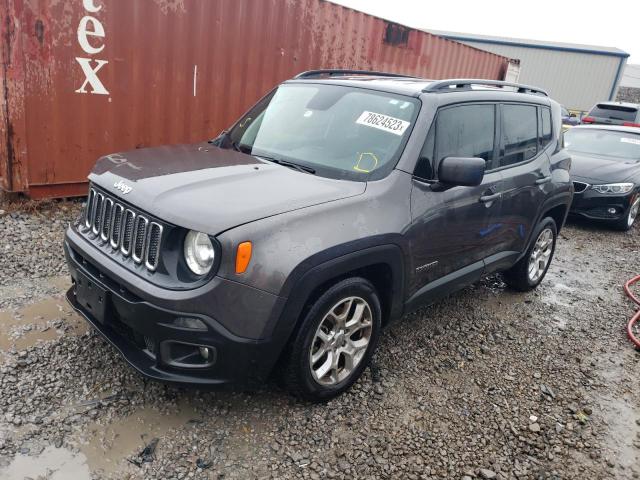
(613, 188)
(198, 252)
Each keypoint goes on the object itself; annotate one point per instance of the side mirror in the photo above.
(467, 172)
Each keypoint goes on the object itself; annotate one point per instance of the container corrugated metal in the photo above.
(83, 78)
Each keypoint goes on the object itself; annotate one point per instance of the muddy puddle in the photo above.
(106, 447)
(102, 448)
(40, 321)
(53, 464)
(619, 410)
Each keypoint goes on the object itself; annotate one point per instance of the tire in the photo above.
(321, 335)
(628, 221)
(519, 277)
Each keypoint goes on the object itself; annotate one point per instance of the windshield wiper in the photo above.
(285, 163)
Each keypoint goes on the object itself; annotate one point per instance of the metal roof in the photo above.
(520, 42)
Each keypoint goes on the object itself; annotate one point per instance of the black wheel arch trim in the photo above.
(557, 200)
(334, 263)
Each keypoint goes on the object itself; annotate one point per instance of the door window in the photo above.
(466, 131)
(519, 134)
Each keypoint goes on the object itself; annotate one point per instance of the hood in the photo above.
(209, 189)
(602, 169)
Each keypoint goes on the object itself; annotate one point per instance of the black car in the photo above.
(341, 201)
(605, 171)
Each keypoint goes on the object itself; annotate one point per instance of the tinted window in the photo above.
(546, 127)
(519, 133)
(424, 168)
(614, 112)
(466, 131)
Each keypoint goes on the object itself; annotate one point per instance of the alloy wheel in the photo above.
(341, 341)
(540, 255)
(633, 212)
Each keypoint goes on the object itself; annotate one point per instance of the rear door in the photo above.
(526, 171)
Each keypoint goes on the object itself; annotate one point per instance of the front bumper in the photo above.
(596, 206)
(145, 335)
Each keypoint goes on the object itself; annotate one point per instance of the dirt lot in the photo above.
(486, 384)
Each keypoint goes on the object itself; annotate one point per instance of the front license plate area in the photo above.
(92, 297)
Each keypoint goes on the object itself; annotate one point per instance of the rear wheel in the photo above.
(335, 341)
(629, 220)
(531, 269)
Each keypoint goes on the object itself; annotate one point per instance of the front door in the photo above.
(455, 228)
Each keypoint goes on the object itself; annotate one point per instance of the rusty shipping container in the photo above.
(83, 78)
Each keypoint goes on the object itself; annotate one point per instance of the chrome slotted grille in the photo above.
(124, 229)
(153, 245)
(127, 231)
(116, 222)
(139, 238)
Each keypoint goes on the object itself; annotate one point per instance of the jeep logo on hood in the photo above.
(123, 187)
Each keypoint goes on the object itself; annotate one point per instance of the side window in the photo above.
(466, 131)
(519, 133)
(424, 168)
(545, 137)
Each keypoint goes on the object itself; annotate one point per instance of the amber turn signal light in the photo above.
(243, 257)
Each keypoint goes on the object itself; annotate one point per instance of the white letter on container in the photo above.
(83, 33)
(90, 7)
(91, 76)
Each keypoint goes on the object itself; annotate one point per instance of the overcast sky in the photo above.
(611, 23)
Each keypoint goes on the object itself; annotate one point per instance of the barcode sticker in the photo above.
(383, 122)
(635, 141)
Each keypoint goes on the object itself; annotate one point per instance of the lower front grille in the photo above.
(579, 187)
(123, 228)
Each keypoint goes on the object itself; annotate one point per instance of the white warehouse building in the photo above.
(577, 76)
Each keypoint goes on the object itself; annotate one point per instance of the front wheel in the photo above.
(629, 220)
(335, 341)
(531, 269)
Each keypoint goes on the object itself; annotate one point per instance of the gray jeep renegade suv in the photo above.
(341, 201)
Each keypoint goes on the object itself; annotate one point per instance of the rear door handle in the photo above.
(490, 198)
(543, 180)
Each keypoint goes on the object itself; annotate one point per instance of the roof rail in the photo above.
(465, 84)
(336, 72)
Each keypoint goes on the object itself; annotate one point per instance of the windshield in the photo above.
(337, 131)
(623, 145)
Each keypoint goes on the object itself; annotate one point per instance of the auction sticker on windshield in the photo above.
(635, 141)
(383, 122)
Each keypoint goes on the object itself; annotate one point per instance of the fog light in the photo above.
(612, 211)
(205, 353)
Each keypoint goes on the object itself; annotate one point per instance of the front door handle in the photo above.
(543, 180)
(490, 198)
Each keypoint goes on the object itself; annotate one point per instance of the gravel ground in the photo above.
(488, 383)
